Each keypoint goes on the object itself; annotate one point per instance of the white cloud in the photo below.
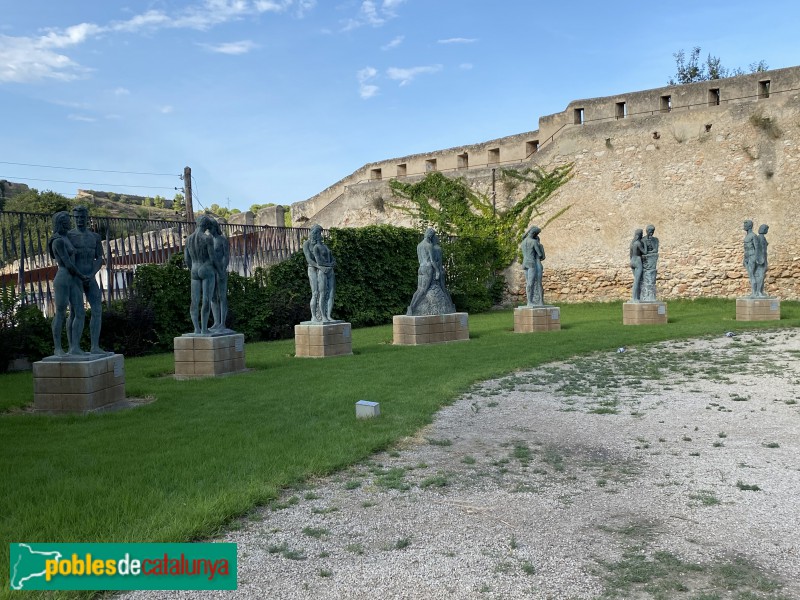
(371, 13)
(394, 43)
(166, 109)
(232, 48)
(458, 40)
(77, 34)
(406, 76)
(365, 89)
(81, 118)
(465, 66)
(26, 59)
(121, 91)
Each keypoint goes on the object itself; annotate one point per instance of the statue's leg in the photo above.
(205, 309)
(77, 319)
(95, 299)
(58, 326)
(195, 305)
(215, 308)
(331, 281)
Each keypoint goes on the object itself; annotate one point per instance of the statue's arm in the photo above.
(64, 258)
(98, 255)
(187, 256)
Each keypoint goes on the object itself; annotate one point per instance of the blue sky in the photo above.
(275, 100)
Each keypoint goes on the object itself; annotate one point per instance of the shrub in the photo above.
(376, 272)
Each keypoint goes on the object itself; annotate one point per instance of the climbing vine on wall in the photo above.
(451, 207)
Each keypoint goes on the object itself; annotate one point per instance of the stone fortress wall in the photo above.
(694, 160)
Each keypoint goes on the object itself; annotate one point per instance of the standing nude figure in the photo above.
(750, 241)
(88, 261)
(637, 250)
(532, 257)
(761, 262)
(68, 287)
(320, 275)
(649, 265)
(200, 258)
(222, 257)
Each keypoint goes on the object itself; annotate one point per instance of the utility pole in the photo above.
(187, 191)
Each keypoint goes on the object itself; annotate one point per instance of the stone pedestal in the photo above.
(758, 309)
(78, 385)
(208, 355)
(430, 329)
(320, 340)
(644, 313)
(528, 319)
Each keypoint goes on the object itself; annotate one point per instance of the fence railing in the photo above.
(127, 243)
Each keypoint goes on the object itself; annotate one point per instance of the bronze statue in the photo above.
(532, 257)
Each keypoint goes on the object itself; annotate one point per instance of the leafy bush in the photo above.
(376, 272)
(129, 328)
(24, 330)
(166, 290)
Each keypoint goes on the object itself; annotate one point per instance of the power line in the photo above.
(195, 195)
(2, 162)
(148, 187)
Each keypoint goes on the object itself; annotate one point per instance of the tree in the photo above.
(178, 203)
(158, 201)
(41, 202)
(257, 207)
(691, 70)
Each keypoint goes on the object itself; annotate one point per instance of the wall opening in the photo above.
(666, 103)
(402, 170)
(462, 161)
(763, 89)
(621, 110)
(531, 147)
(578, 116)
(713, 97)
(430, 164)
(494, 156)
(375, 175)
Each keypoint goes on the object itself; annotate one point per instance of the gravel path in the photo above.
(665, 471)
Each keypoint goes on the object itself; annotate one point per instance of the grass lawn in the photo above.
(205, 452)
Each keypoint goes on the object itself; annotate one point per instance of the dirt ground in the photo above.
(664, 471)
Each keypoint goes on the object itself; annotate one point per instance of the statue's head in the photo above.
(651, 229)
(534, 231)
(762, 229)
(748, 225)
(205, 223)
(61, 222)
(81, 214)
(430, 233)
(637, 235)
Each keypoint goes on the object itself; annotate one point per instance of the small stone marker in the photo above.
(366, 409)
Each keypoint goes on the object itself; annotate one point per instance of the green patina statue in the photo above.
(207, 256)
(532, 257)
(320, 275)
(431, 297)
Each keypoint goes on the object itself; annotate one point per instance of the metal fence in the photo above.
(127, 244)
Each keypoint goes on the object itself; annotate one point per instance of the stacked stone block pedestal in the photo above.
(430, 329)
(208, 356)
(321, 340)
(78, 386)
(644, 313)
(758, 309)
(528, 319)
